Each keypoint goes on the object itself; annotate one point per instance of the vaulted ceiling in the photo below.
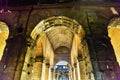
(60, 37)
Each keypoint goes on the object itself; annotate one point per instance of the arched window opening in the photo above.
(63, 77)
(61, 70)
(4, 32)
(61, 66)
(114, 34)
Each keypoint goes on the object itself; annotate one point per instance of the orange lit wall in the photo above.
(4, 32)
(3, 36)
(114, 34)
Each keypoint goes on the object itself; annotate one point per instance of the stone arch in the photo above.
(49, 23)
(61, 53)
(4, 33)
(113, 33)
(41, 51)
(54, 22)
(62, 61)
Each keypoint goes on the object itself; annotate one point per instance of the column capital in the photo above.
(52, 69)
(39, 59)
(47, 65)
(80, 58)
(72, 68)
(75, 65)
(46, 62)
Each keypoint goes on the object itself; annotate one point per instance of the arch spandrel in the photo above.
(4, 33)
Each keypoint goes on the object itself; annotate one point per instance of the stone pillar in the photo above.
(37, 68)
(73, 73)
(69, 77)
(50, 74)
(76, 71)
(94, 59)
(46, 71)
(53, 75)
(70, 74)
(56, 74)
(82, 69)
(57, 77)
(43, 71)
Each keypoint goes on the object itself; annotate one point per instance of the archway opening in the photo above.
(61, 70)
(57, 35)
(4, 32)
(62, 53)
(62, 63)
(63, 77)
(114, 34)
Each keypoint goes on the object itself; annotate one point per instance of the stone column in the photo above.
(70, 74)
(50, 74)
(82, 69)
(46, 71)
(37, 68)
(56, 74)
(53, 75)
(43, 71)
(73, 71)
(76, 71)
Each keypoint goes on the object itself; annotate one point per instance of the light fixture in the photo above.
(5, 11)
(114, 11)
